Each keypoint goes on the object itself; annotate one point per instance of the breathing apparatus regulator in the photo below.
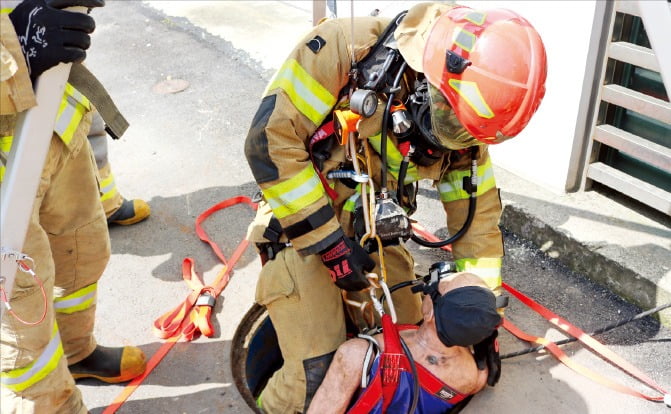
(380, 75)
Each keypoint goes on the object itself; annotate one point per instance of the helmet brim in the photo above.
(413, 31)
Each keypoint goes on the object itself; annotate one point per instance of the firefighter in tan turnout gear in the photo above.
(47, 334)
(361, 110)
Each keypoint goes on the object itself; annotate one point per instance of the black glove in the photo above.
(49, 35)
(347, 262)
(486, 355)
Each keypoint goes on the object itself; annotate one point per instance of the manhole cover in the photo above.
(170, 86)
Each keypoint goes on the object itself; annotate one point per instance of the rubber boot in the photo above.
(111, 365)
(130, 212)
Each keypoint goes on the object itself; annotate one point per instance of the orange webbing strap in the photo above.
(597, 347)
(563, 358)
(428, 236)
(132, 386)
(192, 317)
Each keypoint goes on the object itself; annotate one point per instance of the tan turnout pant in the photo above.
(69, 242)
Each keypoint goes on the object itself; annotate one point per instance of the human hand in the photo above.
(49, 35)
(486, 355)
(347, 262)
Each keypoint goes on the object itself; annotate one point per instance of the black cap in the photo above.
(466, 315)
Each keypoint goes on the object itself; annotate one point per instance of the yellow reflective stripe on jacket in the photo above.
(451, 187)
(298, 192)
(73, 107)
(19, 379)
(488, 269)
(6, 143)
(308, 96)
(394, 159)
(78, 301)
(108, 187)
(5, 147)
(350, 203)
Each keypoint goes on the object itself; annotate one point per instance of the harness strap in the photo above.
(324, 131)
(86, 83)
(390, 360)
(377, 389)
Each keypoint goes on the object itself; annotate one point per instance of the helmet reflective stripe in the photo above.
(298, 192)
(108, 187)
(73, 107)
(308, 96)
(394, 159)
(476, 17)
(465, 40)
(19, 379)
(78, 301)
(471, 94)
(451, 188)
(488, 269)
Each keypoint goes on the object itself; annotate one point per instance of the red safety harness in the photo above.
(393, 361)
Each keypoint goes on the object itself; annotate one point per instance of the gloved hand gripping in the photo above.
(347, 262)
(49, 35)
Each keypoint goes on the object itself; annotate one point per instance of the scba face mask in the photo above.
(444, 123)
(438, 129)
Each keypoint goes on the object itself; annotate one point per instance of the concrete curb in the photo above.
(605, 259)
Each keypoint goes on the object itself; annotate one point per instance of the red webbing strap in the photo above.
(563, 358)
(370, 397)
(325, 131)
(427, 235)
(187, 320)
(390, 361)
(586, 340)
(132, 386)
(435, 386)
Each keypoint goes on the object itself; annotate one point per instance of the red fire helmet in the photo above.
(491, 66)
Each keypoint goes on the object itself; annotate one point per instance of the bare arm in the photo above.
(342, 379)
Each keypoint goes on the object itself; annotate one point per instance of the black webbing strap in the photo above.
(312, 222)
(86, 83)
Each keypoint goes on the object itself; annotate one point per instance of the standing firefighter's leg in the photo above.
(35, 376)
(118, 210)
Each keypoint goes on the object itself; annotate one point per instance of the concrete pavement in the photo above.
(183, 153)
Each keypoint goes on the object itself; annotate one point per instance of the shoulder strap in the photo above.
(373, 68)
(86, 83)
(390, 360)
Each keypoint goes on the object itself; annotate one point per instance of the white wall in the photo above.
(541, 153)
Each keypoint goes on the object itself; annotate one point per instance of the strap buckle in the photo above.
(206, 299)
